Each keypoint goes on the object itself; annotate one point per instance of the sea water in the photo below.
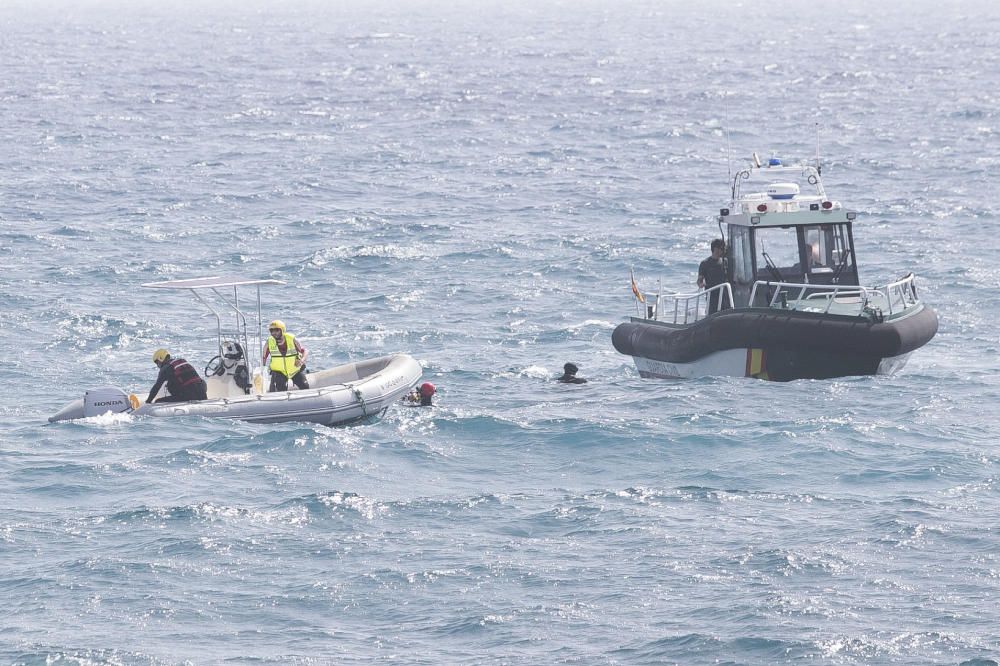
(471, 183)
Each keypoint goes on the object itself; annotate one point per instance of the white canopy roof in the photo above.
(207, 283)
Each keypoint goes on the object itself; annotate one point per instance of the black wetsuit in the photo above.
(714, 273)
(571, 379)
(182, 381)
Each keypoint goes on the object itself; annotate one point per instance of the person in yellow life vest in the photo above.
(288, 358)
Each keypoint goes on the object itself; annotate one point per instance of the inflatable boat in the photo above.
(791, 306)
(351, 393)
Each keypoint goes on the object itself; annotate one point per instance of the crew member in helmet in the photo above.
(288, 358)
(569, 375)
(423, 395)
(182, 380)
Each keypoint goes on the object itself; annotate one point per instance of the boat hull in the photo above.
(774, 344)
(346, 394)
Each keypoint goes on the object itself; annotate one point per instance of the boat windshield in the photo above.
(778, 254)
(814, 253)
(827, 253)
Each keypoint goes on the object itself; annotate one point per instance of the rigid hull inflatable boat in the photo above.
(344, 394)
(349, 393)
(792, 306)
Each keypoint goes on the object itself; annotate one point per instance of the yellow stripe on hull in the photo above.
(757, 364)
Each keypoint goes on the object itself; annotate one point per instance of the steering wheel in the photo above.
(771, 268)
(215, 367)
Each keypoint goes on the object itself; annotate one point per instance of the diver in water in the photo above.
(569, 375)
(422, 396)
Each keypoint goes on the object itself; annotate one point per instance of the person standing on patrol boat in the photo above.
(712, 272)
(288, 358)
(181, 379)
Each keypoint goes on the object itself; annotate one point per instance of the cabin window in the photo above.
(742, 255)
(778, 247)
(841, 256)
(818, 247)
(826, 247)
(826, 254)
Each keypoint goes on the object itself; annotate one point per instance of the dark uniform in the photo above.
(182, 381)
(714, 272)
(569, 375)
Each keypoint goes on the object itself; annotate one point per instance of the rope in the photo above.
(361, 399)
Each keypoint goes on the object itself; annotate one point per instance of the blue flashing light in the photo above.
(774, 161)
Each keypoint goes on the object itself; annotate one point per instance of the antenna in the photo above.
(729, 147)
(817, 146)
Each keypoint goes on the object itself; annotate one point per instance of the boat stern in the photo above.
(97, 401)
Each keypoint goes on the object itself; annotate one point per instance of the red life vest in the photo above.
(184, 375)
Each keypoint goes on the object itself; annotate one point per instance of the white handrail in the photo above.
(884, 301)
(902, 291)
(888, 300)
(688, 308)
(807, 172)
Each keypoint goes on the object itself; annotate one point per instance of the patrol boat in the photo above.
(792, 306)
(355, 392)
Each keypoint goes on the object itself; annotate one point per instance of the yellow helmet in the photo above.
(160, 355)
(277, 323)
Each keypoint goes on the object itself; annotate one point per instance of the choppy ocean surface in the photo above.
(470, 183)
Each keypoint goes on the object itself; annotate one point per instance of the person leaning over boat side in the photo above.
(182, 380)
(288, 358)
(711, 273)
(569, 375)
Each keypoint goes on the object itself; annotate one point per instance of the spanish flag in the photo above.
(635, 288)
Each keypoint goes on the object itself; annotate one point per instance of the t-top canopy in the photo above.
(207, 283)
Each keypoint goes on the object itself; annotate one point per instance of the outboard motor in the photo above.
(96, 402)
(108, 399)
